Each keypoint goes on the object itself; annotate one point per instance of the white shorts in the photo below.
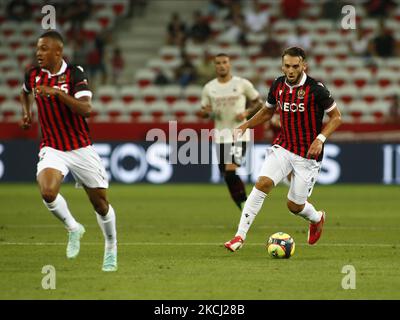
(279, 162)
(84, 163)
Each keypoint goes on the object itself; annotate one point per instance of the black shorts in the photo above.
(231, 153)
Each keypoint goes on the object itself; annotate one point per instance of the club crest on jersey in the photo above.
(62, 78)
(300, 94)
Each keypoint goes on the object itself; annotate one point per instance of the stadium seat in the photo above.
(388, 92)
(11, 111)
(9, 28)
(182, 108)
(136, 110)
(129, 93)
(150, 94)
(346, 93)
(170, 52)
(356, 110)
(370, 93)
(107, 93)
(158, 110)
(144, 77)
(192, 93)
(339, 77)
(379, 110)
(14, 78)
(360, 77)
(386, 77)
(171, 93)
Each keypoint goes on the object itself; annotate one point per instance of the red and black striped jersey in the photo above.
(61, 128)
(301, 109)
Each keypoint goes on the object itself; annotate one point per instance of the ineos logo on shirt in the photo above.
(291, 107)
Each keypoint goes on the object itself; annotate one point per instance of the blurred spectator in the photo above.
(394, 111)
(271, 47)
(80, 49)
(300, 39)
(256, 18)
(291, 9)
(359, 47)
(379, 8)
(186, 73)
(235, 9)
(136, 8)
(176, 30)
(383, 45)
(117, 66)
(78, 12)
(215, 6)
(236, 32)
(332, 9)
(95, 59)
(206, 69)
(200, 31)
(161, 78)
(19, 10)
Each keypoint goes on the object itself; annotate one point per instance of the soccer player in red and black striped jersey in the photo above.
(63, 99)
(302, 102)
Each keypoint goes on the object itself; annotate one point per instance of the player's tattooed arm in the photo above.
(81, 106)
(26, 101)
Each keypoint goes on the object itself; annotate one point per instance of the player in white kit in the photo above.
(224, 100)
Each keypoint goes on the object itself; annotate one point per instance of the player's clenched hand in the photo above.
(239, 131)
(46, 91)
(315, 149)
(26, 121)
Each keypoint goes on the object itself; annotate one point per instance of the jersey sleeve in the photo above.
(27, 83)
(271, 100)
(80, 85)
(324, 98)
(205, 97)
(249, 91)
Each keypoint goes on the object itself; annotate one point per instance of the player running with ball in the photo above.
(302, 103)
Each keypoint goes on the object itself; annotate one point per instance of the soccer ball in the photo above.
(280, 245)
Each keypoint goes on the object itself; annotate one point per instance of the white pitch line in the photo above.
(366, 228)
(383, 245)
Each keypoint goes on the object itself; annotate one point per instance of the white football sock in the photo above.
(60, 209)
(252, 206)
(309, 213)
(107, 224)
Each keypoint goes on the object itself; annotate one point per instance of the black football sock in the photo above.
(236, 188)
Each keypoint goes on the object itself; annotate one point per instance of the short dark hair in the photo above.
(53, 35)
(294, 52)
(222, 54)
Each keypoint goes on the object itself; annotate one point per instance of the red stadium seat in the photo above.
(107, 94)
(193, 93)
(144, 77)
(150, 94)
(129, 94)
(171, 93)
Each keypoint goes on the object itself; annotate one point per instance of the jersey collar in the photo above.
(61, 71)
(302, 81)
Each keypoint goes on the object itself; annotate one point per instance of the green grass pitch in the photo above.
(170, 245)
